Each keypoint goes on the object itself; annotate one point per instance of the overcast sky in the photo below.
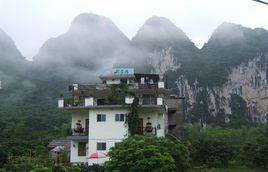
(31, 22)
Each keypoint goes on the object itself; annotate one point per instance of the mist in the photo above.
(94, 42)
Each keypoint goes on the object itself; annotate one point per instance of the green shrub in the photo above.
(75, 169)
(144, 153)
(59, 168)
(91, 168)
(41, 169)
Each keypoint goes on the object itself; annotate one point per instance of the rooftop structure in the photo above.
(99, 111)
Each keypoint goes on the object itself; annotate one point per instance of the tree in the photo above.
(212, 152)
(239, 108)
(211, 146)
(256, 152)
(145, 153)
(133, 117)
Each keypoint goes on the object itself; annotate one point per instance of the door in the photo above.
(87, 126)
(140, 126)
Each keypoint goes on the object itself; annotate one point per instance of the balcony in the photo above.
(100, 86)
(149, 131)
(91, 102)
(77, 134)
(73, 103)
(147, 86)
(87, 86)
(88, 102)
(148, 101)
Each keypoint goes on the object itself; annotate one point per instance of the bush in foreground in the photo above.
(144, 153)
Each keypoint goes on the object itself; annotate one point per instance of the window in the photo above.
(116, 144)
(82, 148)
(101, 146)
(100, 101)
(101, 117)
(119, 117)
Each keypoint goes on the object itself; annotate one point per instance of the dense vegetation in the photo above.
(24, 149)
(224, 147)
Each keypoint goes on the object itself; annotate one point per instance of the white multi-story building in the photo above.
(99, 112)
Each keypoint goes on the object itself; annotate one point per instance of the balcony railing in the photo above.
(147, 101)
(87, 86)
(87, 102)
(78, 131)
(100, 86)
(148, 86)
(149, 131)
(72, 102)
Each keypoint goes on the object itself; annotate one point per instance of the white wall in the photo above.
(92, 148)
(74, 154)
(159, 101)
(161, 120)
(161, 84)
(111, 131)
(89, 101)
(60, 103)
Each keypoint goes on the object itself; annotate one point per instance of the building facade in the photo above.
(100, 111)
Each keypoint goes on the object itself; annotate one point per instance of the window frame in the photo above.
(102, 118)
(116, 144)
(120, 117)
(101, 146)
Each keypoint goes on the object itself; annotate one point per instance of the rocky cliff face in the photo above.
(163, 61)
(248, 80)
(231, 63)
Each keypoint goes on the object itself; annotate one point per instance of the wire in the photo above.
(266, 3)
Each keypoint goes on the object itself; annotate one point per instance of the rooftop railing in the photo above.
(101, 86)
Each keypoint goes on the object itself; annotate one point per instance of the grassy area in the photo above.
(235, 169)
